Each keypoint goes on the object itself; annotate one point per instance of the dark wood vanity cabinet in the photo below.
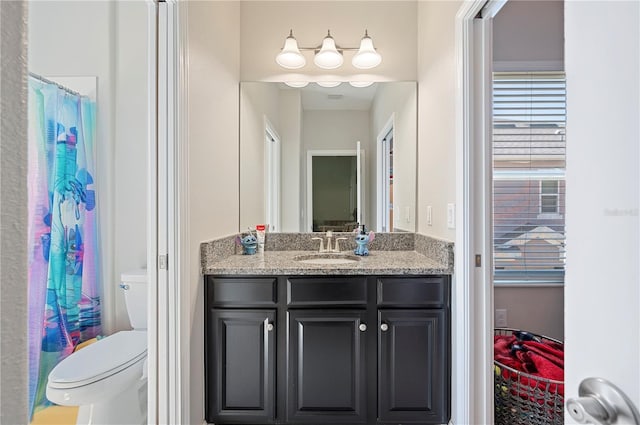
(327, 350)
(327, 367)
(240, 350)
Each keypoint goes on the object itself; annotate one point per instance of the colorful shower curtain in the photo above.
(64, 294)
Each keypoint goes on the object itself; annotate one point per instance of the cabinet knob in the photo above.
(362, 327)
(384, 327)
(269, 327)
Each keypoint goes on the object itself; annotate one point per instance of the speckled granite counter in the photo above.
(282, 263)
(416, 254)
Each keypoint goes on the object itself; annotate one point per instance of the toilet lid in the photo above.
(100, 359)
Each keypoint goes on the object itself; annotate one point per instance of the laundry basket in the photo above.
(525, 399)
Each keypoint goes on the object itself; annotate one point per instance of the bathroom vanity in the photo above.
(292, 343)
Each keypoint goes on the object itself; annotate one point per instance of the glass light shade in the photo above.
(290, 56)
(296, 84)
(360, 84)
(328, 57)
(328, 83)
(367, 57)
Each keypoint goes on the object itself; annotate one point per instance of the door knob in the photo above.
(384, 327)
(362, 327)
(602, 403)
(269, 327)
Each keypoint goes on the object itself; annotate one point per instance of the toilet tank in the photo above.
(134, 285)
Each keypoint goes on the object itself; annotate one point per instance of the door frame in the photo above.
(309, 191)
(472, 397)
(272, 189)
(472, 324)
(382, 178)
(168, 251)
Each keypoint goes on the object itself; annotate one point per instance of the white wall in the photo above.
(602, 315)
(107, 40)
(436, 115)
(291, 134)
(526, 33)
(214, 70)
(534, 309)
(258, 100)
(13, 213)
(338, 130)
(399, 100)
(130, 146)
(266, 24)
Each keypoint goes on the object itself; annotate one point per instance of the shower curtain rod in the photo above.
(60, 86)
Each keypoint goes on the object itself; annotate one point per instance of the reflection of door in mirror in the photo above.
(272, 178)
(314, 119)
(385, 178)
(334, 190)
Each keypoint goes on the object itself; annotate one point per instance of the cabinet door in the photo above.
(327, 367)
(240, 364)
(413, 367)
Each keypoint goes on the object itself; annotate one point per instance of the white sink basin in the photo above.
(327, 258)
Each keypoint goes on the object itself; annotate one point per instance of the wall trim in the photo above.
(152, 218)
(170, 336)
(528, 66)
(468, 359)
(181, 400)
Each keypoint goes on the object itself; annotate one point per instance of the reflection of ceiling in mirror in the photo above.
(342, 97)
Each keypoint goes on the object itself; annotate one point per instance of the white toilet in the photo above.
(108, 379)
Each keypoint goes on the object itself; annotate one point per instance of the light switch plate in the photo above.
(429, 216)
(451, 216)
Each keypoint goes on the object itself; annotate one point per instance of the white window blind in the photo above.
(529, 114)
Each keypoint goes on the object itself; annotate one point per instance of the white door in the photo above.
(602, 285)
(602, 295)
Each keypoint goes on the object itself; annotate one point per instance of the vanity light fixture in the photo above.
(328, 55)
(328, 83)
(367, 57)
(290, 56)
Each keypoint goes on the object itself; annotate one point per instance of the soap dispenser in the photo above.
(362, 240)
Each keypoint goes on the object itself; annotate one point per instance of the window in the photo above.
(529, 114)
(549, 197)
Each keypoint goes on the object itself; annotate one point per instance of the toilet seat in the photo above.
(100, 360)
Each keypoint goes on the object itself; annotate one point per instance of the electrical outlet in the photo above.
(501, 318)
(429, 216)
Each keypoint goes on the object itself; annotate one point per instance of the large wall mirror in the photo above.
(317, 158)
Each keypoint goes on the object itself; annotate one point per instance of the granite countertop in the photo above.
(283, 263)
